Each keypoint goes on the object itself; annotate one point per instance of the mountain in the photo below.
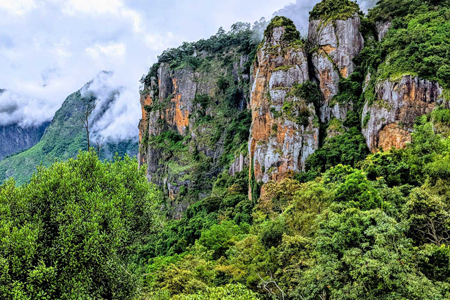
(65, 137)
(281, 106)
(15, 138)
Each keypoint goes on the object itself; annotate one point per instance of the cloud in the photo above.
(17, 109)
(112, 50)
(115, 114)
(51, 48)
(17, 7)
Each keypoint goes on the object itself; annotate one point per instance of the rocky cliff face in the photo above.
(336, 44)
(284, 128)
(191, 126)
(389, 120)
(14, 138)
(290, 100)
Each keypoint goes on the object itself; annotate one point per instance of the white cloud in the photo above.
(51, 48)
(93, 6)
(112, 50)
(17, 7)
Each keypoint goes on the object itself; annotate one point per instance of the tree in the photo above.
(428, 217)
(363, 255)
(72, 229)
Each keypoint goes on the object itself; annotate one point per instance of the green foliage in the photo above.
(415, 44)
(228, 292)
(348, 148)
(220, 237)
(308, 91)
(357, 191)
(330, 10)
(419, 46)
(272, 233)
(291, 33)
(356, 259)
(72, 230)
(236, 137)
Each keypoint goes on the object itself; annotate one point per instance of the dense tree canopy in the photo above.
(70, 232)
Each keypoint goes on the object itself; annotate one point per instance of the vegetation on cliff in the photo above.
(330, 10)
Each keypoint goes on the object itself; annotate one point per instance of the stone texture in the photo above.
(14, 138)
(382, 29)
(338, 43)
(398, 105)
(168, 105)
(277, 143)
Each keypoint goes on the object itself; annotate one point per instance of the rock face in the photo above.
(278, 141)
(338, 43)
(183, 127)
(382, 28)
(389, 120)
(284, 127)
(14, 138)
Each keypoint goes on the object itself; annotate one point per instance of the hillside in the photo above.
(63, 139)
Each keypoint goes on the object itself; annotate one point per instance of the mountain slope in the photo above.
(14, 138)
(64, 137)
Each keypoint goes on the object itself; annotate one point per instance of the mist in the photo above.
(50, 49)
(116, 111)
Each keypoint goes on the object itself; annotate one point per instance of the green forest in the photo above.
(355, 224)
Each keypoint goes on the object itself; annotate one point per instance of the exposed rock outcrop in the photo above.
(14, 138)
(382, 28)
(389, 120)
(337, 42)
(278, 141)
(174, 104)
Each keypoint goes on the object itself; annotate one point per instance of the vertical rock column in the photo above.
(278, 142)
(336, 43)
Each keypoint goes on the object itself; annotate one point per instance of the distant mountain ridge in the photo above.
(64, 137)
(15, 138)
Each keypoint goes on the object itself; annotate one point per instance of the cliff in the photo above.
(15, 138)
(285, 129)
(329, 91)
(389, 120)
(194, 117)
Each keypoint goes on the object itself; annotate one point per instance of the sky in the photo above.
(51, 48)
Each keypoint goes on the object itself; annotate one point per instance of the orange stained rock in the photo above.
(325, 79)
(281, 173)
(328, 49)
(344, 72)
(181, 117)
(393, 136)
(258, 171)
(261, 127)
(146, 102)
